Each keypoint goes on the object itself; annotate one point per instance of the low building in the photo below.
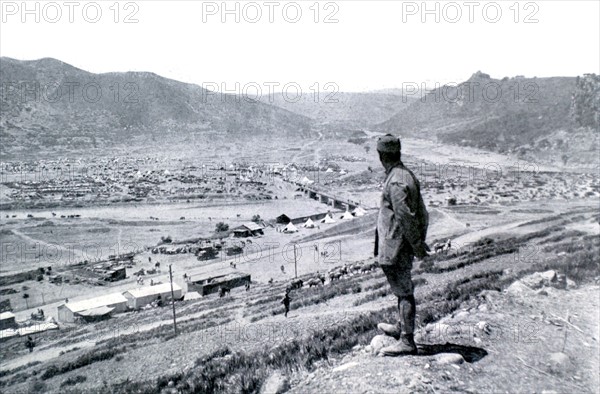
(142, 296)
(210, 284)
(93, 308)
(248, 229)
(7, 320)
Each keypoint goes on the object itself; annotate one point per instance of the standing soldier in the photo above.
(286, 302)
(30, 344)
(400, 235)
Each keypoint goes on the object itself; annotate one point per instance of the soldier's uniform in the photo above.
(400, 235)
(401, 227)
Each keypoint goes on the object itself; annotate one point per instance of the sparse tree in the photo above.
(221, 227)
(367, 148)
(256, 218)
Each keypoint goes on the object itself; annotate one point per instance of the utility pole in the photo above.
(295, 263)
(172, 299)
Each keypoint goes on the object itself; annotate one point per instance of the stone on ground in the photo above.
(449, 358)
(276, 383)
(379, 342)
(558, 363)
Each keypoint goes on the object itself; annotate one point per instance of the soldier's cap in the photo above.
(388, 143)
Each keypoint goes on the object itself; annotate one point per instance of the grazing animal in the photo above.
(314, 282)
(335, 275)
(223, 291)
(448, 245)
(438, 247)
(296, 284)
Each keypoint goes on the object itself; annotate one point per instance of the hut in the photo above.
(283, 218)
(142, 296)
(248, 229)
(210, 284)
(93, 308)
(7, 320)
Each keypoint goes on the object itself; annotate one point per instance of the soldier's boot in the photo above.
(391, 330)
(406, 344)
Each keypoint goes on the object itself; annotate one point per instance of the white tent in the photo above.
(309, 223)
(306, 181)
(290, 228)
(329, 170)
(347, 216)
(359, 211)
(343, 172)
(327, 219)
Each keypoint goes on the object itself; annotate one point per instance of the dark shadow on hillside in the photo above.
(471, 354)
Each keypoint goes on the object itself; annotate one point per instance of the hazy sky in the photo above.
(369, 45)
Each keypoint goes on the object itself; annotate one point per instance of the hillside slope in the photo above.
(50, 104)
(533, 117)
(343, 108)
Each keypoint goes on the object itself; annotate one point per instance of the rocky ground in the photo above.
(533, 338)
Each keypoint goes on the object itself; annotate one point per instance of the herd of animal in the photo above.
(333, 274)
(439, 247)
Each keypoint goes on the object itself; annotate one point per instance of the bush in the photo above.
(221, 227)
(72, 381)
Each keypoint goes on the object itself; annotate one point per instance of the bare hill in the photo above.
(48, 104)
(548, 117)
(353, 110)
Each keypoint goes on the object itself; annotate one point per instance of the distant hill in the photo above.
(344, 109)
(45, 107)
(533, 117)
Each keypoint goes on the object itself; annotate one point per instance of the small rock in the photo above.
(276, 383)
(346, 366)
(549, 276)
(357, 347)
(482, 308)
(484, 326)
(542, 292)
(461, 315)
(449, 358)
(558, 362)
(171, 383)
(380, 341)
(518, 288)
(571, 284)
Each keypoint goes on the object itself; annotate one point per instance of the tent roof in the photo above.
(6, 315)
(100, 311)
(290, 227)
(347, 215)
(250, 226)
(153, 290)
(308, 222)
(327, 219)
(359, 211)
(109, 299)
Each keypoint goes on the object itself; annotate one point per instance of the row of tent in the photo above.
(328, 219)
